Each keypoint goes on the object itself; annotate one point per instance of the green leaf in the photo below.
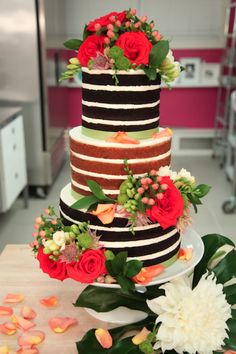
(225, 270)
(202, 190)
(73, 44)
(85, 33)
(150, 72)
(230, 293)
(194, 199)
(158, 53)
(119, 262)
(132, 268)
(125, 346)
(106, 299)
(97, 191)
(126, 284)
(84, 203)
(109, 268)
(93, 206)
(212, 243)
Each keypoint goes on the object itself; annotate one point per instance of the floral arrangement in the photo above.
(162, 196)
(123, 41)
(183, 316)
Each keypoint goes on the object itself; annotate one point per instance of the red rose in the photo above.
(54, 269)
(90, 47)
(167, 210)
(90, 265)
(104, 20)
(136, 47)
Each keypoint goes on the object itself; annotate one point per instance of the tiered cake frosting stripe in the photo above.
(151, 244)
(134, 99)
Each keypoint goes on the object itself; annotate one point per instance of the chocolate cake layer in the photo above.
(116, 128)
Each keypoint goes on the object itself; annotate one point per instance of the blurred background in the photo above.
(36, 111)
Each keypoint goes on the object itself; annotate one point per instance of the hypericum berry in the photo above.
(145, 200)
(54, 222)
(47, 211)
(145, 187)
(140, 190)
(155, 33)
(112, 18)
(110, 34)
(34, 234)
(36, 226)
(38, 220)
(155, 186)
(158, 37)
(137, 24)
(42, 233)
(153, 173)
(101, 279)
(109, 279)
(143, 181)
(148, 180)
(159, 178)
(127, 24)
(97, 27)
(152, 24)
(107, 40)
(118, 23)
(110, 27)
(143, 19)
(160, 196)
(164, 186)
(133, 12)
(151, 201)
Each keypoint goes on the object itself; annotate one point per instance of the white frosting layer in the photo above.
(103, 175)
(119, 106)
(120, 88)
(120, 122)
(77, 135)
(121, 161)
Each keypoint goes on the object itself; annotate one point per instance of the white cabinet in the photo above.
(13, 177)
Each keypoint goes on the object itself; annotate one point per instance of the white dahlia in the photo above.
(166, 171)
(192, 321)
(185, 174)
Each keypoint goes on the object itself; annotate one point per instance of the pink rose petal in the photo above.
(50, 301)
(22, 323)
(31, 338)
(4, 349)
(5, 311)
(7, 328)
(28, 313)
(28, 350)
(103, 337)
(13, 298)
(61, 324)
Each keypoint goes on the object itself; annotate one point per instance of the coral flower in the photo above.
(103, 337)
(105, 212)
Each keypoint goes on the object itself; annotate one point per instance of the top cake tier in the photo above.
(132, 105)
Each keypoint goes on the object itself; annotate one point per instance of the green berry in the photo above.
(152, 337)
(146, 347)
(122, 199)
(123, 187)
(122, 63)
(109, 255)
(72, 235)
(75, 229)
(85, 240)
(130, 193)
(137, 196)
(133, 207)
(46, 250)
(130, 185)
(74, 61)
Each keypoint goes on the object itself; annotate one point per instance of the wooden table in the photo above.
(20, 273)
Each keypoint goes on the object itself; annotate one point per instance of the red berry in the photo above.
(145, 200)
(137, 24)
(143, 19)
(151, 201)
(155, 186)
(140, 190)
(159, 178)
(145, 186)
(152, 24)
(118, 23)
(112, 18)
(164, 186)
(133, 12)
(127, 24)
(149, 180)
(107, 40)
(110, 34)
(153, 173)
(160, 196)
(143, 181)
(97, 26)
(155, 33)
(110, 27)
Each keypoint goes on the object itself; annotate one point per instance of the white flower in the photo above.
(191, 320)
(59, 238)
(170, 56)
(185, 174)
(166, 171)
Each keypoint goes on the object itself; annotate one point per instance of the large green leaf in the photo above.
(73, 44)
(97, 191)
(230, 292)
(119, 262)
(85, 202)
(226, 268)
(132, 268)
(158, 53)
(201, 190)
(212, 243)
(125, 346)
(106, 299)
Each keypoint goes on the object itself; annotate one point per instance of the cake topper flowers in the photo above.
(123, 41)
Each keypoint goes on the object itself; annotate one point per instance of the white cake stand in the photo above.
(123, 315)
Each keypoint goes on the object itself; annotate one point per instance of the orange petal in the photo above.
(31, 338)
(13, 298)
(5, 311)
(141, 336)
(61, 324)
(8, 328)
(163, 133)
(146, 274)
(103, 337)
(122, 138)
(105, 212)
(4, 349)
(28, 313)
(50, 301)
(230, 352)
(22, 323)
(28, 350)
(185, 254)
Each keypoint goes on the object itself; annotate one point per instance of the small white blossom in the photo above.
(186, 174)
(166, 171)
(59, 238)
(192, 321)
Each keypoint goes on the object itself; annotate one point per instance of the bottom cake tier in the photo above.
(150, 244)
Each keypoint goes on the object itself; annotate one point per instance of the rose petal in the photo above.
(4, 349)
(122, 138)
(22, 323)
(28, 350)
(13, 298)
(185, 254)
(8, 328)
(141, 336)
(105, 212)
(31, 338)
(163, 133)
(103, 337)
(50, 301)
(147, 274)
(28, 313)
(5, 311)
(229, 352)
(61, 324)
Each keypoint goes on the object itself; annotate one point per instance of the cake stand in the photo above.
(123, 315)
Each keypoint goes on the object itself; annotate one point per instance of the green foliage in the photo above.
(150, 72)
(73, 44)
(158, 53)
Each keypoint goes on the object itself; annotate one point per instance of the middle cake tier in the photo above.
(103, 162)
